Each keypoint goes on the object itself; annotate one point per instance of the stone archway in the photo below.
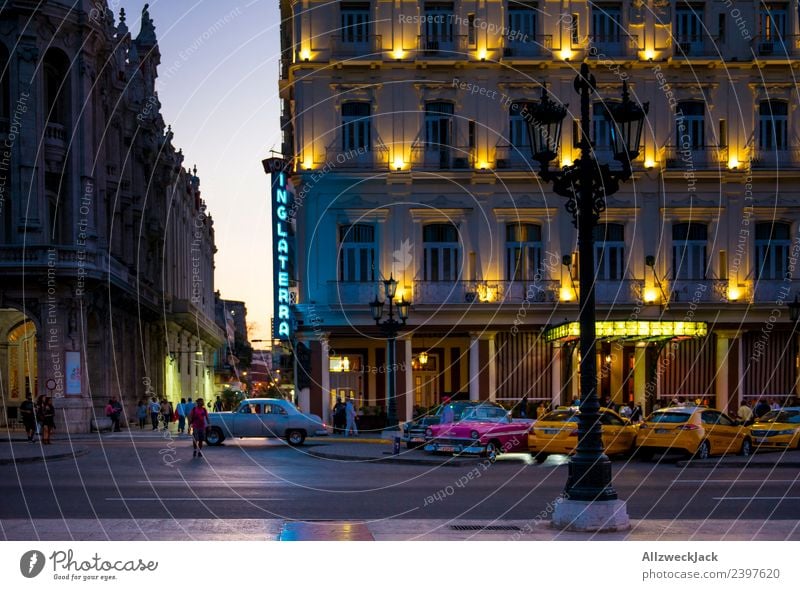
(19, 363)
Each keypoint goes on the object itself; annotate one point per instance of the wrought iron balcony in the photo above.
(776, 47)
(524, 46)
(442, 157)
(696, 157)
(696, 46)
(355, 47)
(611, 46)
(452, 47)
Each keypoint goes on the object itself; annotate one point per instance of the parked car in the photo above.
(778, 429)
(271, 418)
(483, 430)
(557, 432)
(697, 431)
(414, 432)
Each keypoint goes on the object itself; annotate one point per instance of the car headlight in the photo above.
(428, 432)
(474, 434)
(790, 432)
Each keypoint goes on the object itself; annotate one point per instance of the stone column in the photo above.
(325, 378)
(640, 376)
(404, 383)
(555, 375)
(492, 366)
(722, 381)
(474, 367)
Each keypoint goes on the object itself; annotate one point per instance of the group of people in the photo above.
(163, 413)
(38, 418)
(345, 417)
(749, 415)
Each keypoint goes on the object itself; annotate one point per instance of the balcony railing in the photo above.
(442, 47)
(442, 157)
(775, 292)
(356, 47)
(627, 291)
(509, 157)
(352, 293)
(693, 46)
(485, 291)
(775, 158)
(604, 46)
(776, 47)
(528, 46)
(55, 142)
(698, 291)
(695, 157)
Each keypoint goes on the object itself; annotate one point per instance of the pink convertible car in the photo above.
(483, 430)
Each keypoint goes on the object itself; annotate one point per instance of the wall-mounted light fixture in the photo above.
(651, 296)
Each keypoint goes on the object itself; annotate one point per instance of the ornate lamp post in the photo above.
(390, 327)
(590, 503)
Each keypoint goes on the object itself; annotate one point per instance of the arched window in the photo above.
(772, 250)
(442, 252)
(356, 126)
(357, 253)
(57, 87)
(609, 251)
(523, 251)
(689, 250)
(773, 125)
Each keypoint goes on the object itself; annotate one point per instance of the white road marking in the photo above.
(199, 499)
(759, 498)
(764, 481)
(207, 482)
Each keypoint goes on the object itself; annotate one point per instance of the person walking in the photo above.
(198, 420)
(187, 409)
(350, 412)
(155, 410)
(181, 410)
(218, 404)
(339, 416)
(762, 407)
(448, 414)
(636, 413)
(166, 413)
(48, 420)
(141, 414)
(745, 414)
(28, 417)
(116, 413)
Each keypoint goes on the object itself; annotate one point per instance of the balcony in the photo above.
(55, 142)
(613, 46)
(442, 158)
(624, 292)
(485, 291)
(698, 291)
(695, 157)
(776, 47)
(777, 292)
(539, 46)
(775, 159)
(442, 47)
(352, 293)
(356, 47)
(695, 46)
(509, 157)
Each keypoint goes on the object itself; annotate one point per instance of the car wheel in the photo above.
(296, 437)
(491, 451)
(703, 451)
(214, 437)
(747, 448)
(643, 454)
(411, 446)
(540, 457)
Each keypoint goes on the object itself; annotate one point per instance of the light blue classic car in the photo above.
(264, 417)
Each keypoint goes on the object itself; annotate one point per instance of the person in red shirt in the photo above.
(198, 418)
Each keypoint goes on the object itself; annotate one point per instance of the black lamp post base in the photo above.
(591, 517)
(589, 479)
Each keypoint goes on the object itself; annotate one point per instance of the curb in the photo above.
(389, 459)
(739, 463)
(23, 460)
(380, 441)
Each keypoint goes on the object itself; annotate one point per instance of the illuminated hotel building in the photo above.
(411, 159)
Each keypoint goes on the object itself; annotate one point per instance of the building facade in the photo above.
(106, 247)
(406, 129)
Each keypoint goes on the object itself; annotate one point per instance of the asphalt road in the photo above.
(260, 479)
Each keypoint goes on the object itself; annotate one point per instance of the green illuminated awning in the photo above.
(631, 330)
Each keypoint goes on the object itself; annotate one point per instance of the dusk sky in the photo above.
(218, 87)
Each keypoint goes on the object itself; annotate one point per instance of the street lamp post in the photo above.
(590, 502)
(390, 327)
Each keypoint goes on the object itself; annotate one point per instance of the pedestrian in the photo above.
(48, 420)
(28, 417)
(775, 405)
(351, 415)
(626, 410)
(181, 409)
(523, 407)
(141, 414)
(339, 416)
(745, 413)
(448, 412)
(218, 404)
(116, 413)
(155, 410)
(166, 413)
(38, 408)
(110, 415)
(762, 407)
(636, 413)
(187, 409)
(541, 410)
(198, 419)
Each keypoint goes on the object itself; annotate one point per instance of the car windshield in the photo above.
(669, 417)
(485, 414)
(560, 416)
(781, 416)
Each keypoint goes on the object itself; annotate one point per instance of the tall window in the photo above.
(689, 28)
(356, 126)
(355, 22)
(57, 87)
(438, 124)
(773, 124)
(518, 135)
(607, 25)
(523, 251)
(773, 21)
(772, 251)
(357, 253)
(521, 27)
(690, 130)
(689, 251)
(601, 127)
(442, 248)
(438, 25)
(609, 251)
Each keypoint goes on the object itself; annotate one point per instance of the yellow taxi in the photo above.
(557, 432)
(697, 431)
(778, 429)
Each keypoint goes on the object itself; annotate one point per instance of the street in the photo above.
(257, 479)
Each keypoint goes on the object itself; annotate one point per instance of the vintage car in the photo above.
(693, 430)
(557, 432)
(414, 432)
(778, 429)
(267, 417)
(483, 430)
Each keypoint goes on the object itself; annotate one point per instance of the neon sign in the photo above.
(282, 255)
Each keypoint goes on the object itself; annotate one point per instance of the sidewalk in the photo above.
(761, 459)
(25, 452)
